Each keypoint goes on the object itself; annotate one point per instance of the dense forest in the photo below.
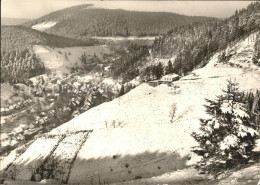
(20, 37)
(19, 66)
(193, 45)
(80, 21)
(131, 58)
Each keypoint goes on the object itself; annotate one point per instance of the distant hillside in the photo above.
(18, 61)
(19, 37)
(84, 20)
(194, 45)
(13, 21)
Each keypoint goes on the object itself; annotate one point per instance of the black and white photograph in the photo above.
(137, 92)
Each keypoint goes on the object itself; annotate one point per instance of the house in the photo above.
(20, 137)
(11, 108)
(3, 112)
(45, 118)
(37, 79)
(167, 79)
(31, 126)
(11, 134)
(32, 132)
(42, 121)
(170, 78)
(16, 106)
(53, 88)
(36, 130)
(43, 114)
(18, 130)
(30, 101)
(76, 85)
(52, 112)
(24, 127)
(14, 142)
(26, 102)
(5, 140)
(3, 122)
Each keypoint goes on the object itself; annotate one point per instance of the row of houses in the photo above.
(41, 120)
(18, 134)
(5, 111)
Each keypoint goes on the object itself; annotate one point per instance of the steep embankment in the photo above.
(145, 133)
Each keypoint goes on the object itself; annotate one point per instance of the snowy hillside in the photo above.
(43, 26)
(142, 134)
(62, 59)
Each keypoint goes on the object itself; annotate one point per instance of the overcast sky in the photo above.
(37, 8)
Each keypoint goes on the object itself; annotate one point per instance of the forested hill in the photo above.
(84, 20)
(20, 37)
(190, 46)
(195, 44)
(18, 61)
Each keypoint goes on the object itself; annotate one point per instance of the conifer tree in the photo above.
(229, 135)
(159, 70)
(169, 68)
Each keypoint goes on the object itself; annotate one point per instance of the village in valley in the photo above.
(77, 79)
(76, 94)
(38, 112)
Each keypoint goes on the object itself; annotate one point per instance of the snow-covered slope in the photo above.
(146, 132)
(60, 60)
(44, 25)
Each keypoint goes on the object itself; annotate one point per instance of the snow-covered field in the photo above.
(140, 134)
(61, 59)
(23, 166)
(6, 161)
(44, 25)
(64, 154)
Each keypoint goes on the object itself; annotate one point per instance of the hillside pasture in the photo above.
(62, 59)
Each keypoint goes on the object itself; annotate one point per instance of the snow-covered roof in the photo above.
(44, 25)
(76, 84)
(6, 142)
(4, 136)
(109, 81)
(173, 75)
(36, 78)
(18, 130)
(13, 142)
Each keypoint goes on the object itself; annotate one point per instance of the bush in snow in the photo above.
(228, 135)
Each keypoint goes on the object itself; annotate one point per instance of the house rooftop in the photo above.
(4, 136)
(173, 75)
